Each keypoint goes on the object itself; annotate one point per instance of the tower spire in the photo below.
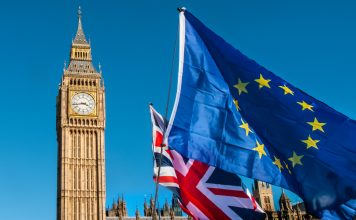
(80, 53)
(80, 37)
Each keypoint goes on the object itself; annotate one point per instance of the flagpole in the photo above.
(165, 117)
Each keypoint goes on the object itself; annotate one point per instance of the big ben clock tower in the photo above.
(80, 136)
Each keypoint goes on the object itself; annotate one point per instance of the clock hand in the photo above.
(83, 103)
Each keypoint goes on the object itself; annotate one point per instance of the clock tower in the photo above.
(80, 136)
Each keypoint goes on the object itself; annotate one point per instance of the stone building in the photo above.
(118, 211)
(264, 196)
(80, 136)
(118, 208)
(261, 191)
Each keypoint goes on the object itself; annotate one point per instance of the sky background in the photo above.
(311, 44)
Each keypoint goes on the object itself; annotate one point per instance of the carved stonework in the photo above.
(263, 195)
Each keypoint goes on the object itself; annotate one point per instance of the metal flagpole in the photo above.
(165, 116)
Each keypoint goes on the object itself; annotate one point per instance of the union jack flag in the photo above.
(204, 192)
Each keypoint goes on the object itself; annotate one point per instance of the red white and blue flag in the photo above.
(204, 192)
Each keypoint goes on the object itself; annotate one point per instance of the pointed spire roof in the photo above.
(80, 55)
(80, 37)
(283, 197)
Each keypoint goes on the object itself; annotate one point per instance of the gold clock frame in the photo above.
(73, 113)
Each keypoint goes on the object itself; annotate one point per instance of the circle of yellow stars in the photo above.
(316, 125)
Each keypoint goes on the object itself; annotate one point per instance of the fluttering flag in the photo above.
(234, 114)
(204, 192)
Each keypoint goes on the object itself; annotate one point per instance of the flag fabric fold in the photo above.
(204, 192)
(234, 114)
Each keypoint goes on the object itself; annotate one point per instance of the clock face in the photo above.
(83, 103)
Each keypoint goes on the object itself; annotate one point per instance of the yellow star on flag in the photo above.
(306, 106)
(277, 162)
(296, 159)
(262, 82)
(260, 149)
(241, 86)
(316, 125)
(286, 90)
(236, 104)
(310, 142)
(246, 127)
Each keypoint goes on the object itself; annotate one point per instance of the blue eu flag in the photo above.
(234, 114)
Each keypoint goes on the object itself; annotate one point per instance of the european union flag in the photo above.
(234, 114)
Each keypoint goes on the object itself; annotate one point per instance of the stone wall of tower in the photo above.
(81, 173)
(263, 195)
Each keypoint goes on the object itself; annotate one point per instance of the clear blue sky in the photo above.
(308, 43)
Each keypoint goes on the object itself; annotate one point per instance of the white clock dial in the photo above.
(83, 103)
